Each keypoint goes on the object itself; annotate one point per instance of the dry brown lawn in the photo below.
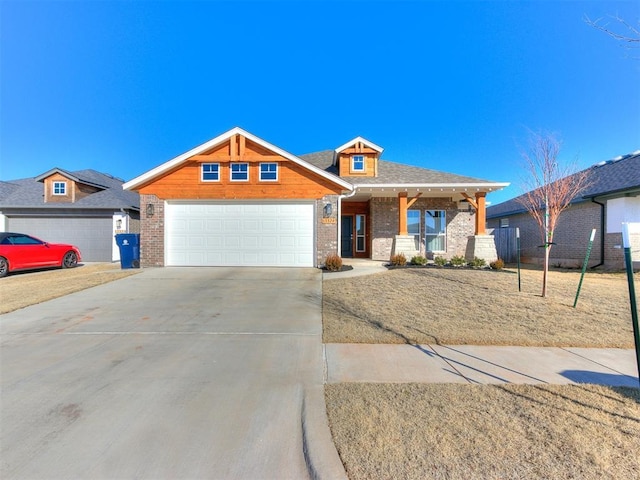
(436, 431)
(22, 289)
(482, 307)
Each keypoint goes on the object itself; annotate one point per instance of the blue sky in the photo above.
(122, 86)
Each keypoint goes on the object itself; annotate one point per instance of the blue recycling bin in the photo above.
(129, 245)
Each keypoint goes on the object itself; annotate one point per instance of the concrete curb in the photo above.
(320, 454)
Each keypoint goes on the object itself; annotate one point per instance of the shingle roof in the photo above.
(82, 176)
(391, 172)
(29, 193)
(611, 177)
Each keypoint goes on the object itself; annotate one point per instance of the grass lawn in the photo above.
(478, 307)
(453, 431)
(21, 289)
(425, 431)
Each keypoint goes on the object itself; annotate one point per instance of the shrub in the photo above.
(398, 260)
(418, 260)
(440, 261)
(458, 261)
(333, 263)
(497, 264)
(477, 262)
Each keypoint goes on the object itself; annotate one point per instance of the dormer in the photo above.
(357, 158)
(61, 186)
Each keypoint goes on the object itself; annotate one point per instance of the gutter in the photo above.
(603, 212)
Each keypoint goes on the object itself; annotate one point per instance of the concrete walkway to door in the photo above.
(171, 373)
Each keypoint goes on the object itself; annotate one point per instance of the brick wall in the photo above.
(613, 251)
(326, 233)
(384, 225)
(151, 232)
(571, 237)
(134, 222)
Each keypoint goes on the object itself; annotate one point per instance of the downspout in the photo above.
(602, 234)
(340, 198)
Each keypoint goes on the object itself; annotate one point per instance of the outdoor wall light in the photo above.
(150, 209)
(327, 210)
(119, 224)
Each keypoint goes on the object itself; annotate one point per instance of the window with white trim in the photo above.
(210, 172)
(268, 172)
(357, 163)
(239, 172)
(59, 188)
(435, 230)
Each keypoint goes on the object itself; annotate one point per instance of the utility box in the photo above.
(129, 245)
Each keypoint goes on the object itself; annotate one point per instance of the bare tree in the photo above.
(549, 187)
(621, 30)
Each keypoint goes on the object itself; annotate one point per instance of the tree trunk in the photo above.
(545, 270)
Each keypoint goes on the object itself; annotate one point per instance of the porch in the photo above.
(373, 226)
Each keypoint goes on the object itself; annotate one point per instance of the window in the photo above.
(413, 223)
(360, 233)
(504, 223)
(239, 172)
(357, 163)
(435, 230)
(210, 172)
(268, 172)
(20, 240)
(59, 188)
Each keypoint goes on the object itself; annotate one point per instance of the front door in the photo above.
(346, 236)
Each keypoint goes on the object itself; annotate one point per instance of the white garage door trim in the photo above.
(230, 233)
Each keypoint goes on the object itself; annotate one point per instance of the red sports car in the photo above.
(24, 252)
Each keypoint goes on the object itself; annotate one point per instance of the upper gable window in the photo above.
(268, 172)
(357, 163)
(59, 188)
(239, 172)
(210, 172)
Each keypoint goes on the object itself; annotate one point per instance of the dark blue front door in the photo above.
(346, 236)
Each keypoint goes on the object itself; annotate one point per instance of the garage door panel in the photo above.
(229, 234)
(92, 235)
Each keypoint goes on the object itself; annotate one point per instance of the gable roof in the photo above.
(72, 176)
(29, 193)
(608, 179)
(174, 162)
(396, 174)
(359, 140)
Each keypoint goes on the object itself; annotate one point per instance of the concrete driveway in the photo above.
(172, 373)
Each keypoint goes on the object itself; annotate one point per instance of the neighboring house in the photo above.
(239, 200)
(85, 208)
(613, 198)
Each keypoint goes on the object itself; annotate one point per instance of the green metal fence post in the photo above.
(626, 243)
(518, 255)
(584, 265)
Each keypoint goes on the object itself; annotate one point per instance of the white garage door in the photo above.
(240, 234)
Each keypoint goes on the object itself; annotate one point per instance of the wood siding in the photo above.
(74, 191)
(294, 181)
(370, 162)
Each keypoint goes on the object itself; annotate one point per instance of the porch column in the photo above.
(481, 213)
(402, 213)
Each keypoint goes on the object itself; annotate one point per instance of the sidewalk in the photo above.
(384, 363)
